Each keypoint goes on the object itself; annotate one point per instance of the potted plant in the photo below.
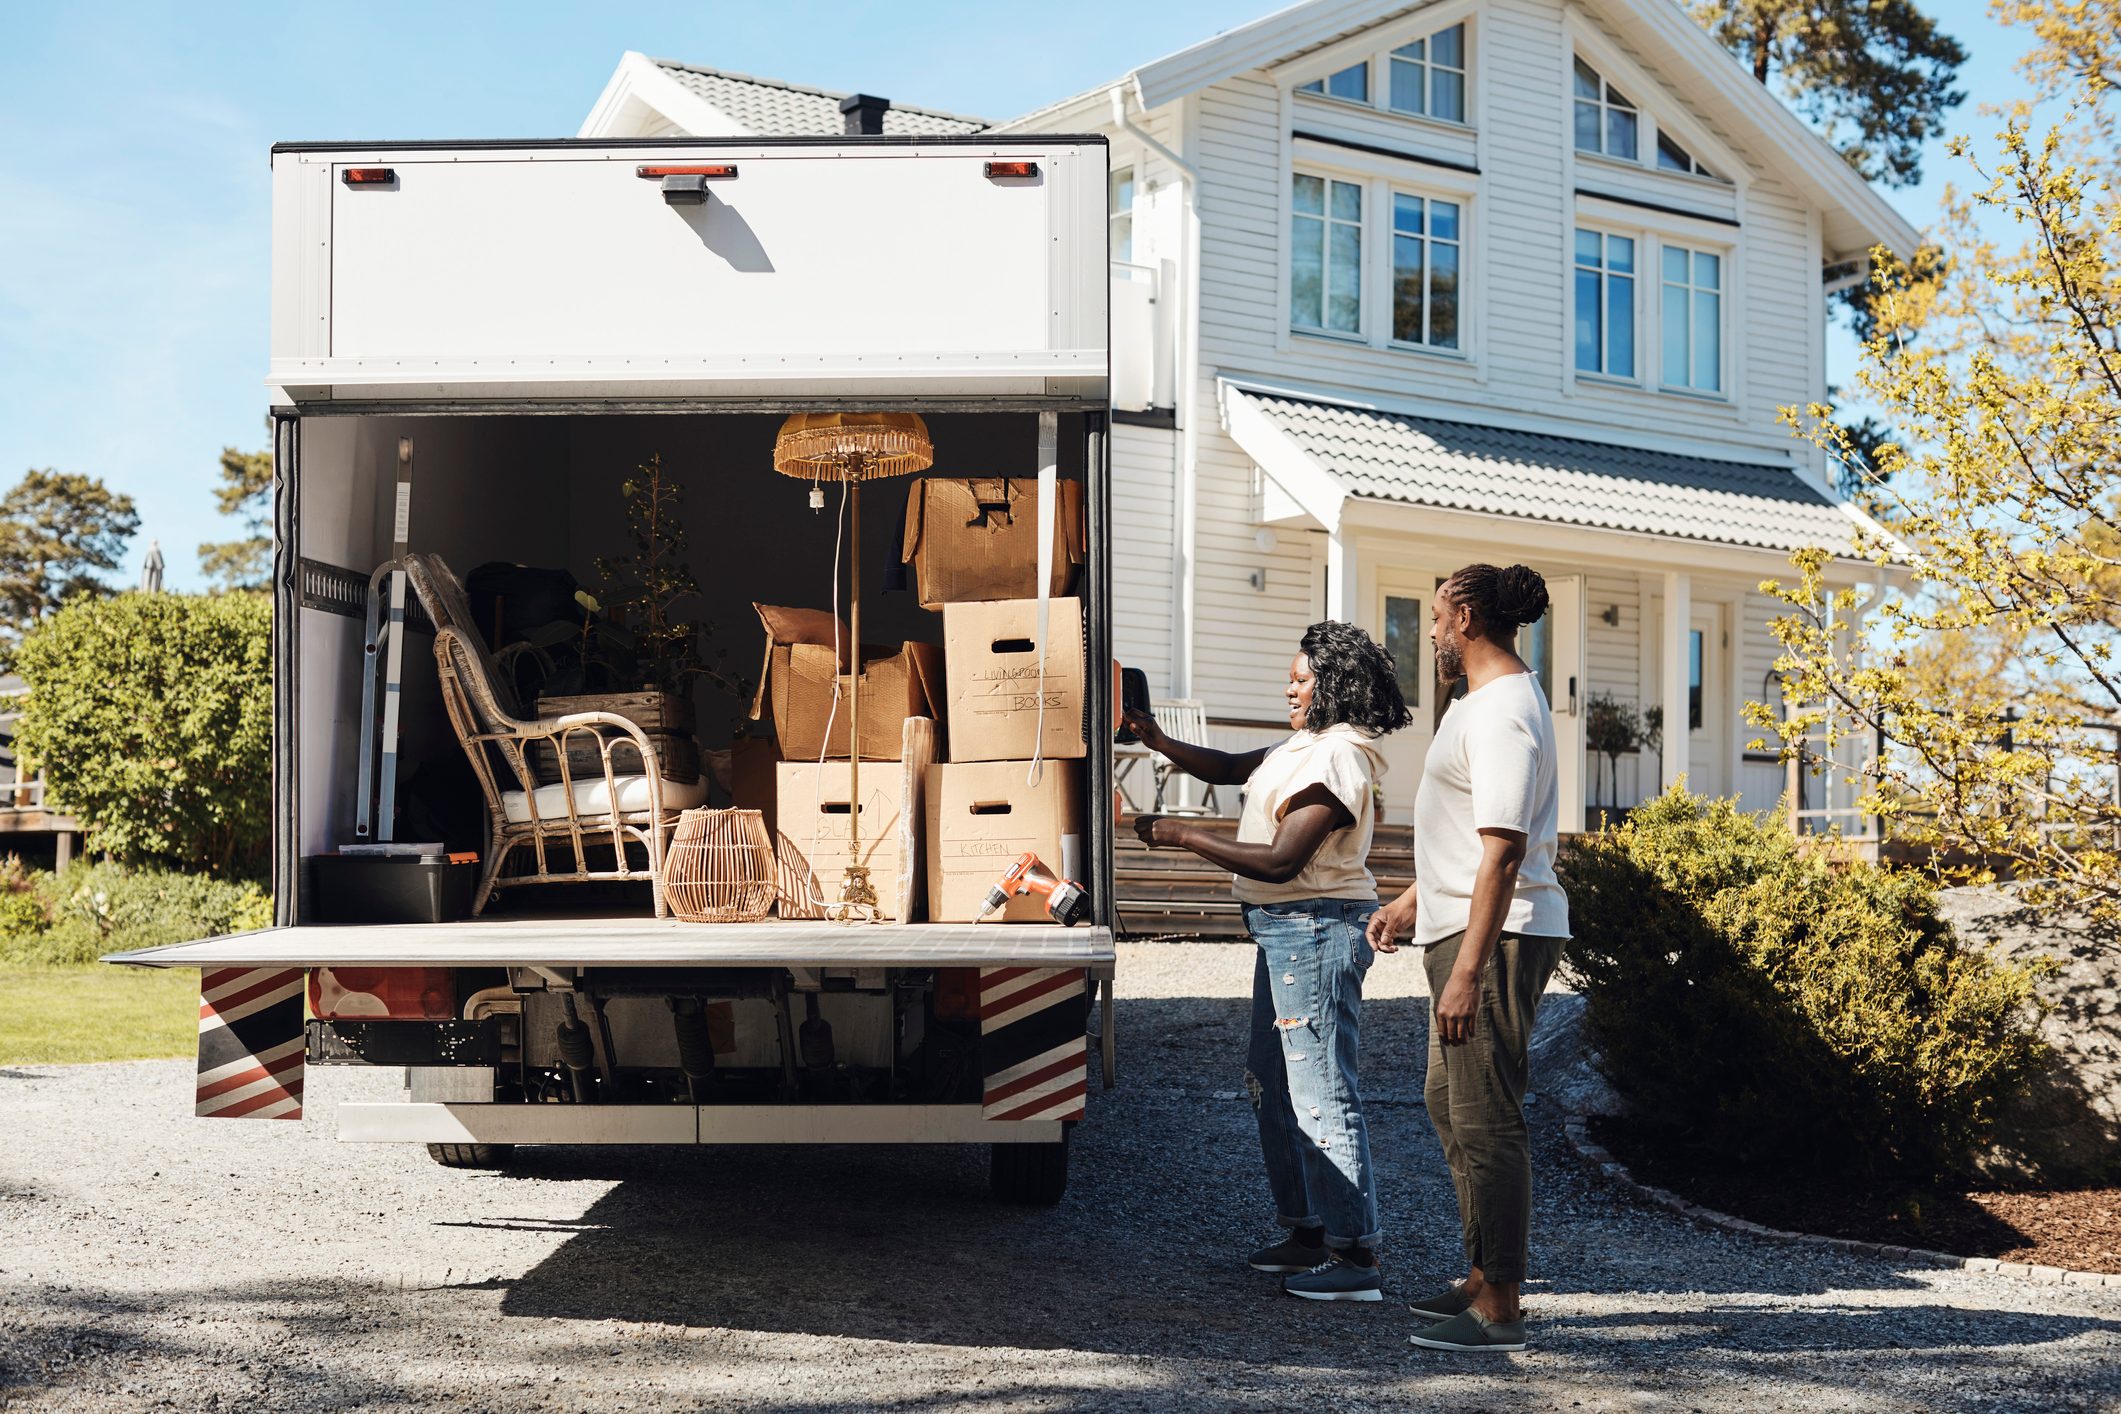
(636, 635)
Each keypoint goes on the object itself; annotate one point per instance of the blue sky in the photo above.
(134, 185)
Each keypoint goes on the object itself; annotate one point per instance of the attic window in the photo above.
(1352, 83)
(1429, 75)
(1606, 120)
(1671, 157)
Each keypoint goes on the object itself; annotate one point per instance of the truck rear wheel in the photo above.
(471, 1156)
(1035, 1175)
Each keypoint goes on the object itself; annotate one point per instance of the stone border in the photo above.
(1596, 1155)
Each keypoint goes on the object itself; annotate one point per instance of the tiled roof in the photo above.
(1466, 466)
(770, 108)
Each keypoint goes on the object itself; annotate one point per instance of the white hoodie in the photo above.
(1345, 760)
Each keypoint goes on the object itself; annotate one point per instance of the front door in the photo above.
(1707, 712)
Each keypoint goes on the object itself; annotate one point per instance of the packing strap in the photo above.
(1048, 493)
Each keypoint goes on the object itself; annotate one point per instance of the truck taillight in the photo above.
(1012, 169)
(957, 993)
(368, 176)
(383, 993)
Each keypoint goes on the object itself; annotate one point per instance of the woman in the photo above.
(1300, 867)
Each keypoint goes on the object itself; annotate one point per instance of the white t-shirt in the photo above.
(1491, 767)
(1346, 762)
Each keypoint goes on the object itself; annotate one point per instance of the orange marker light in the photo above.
(1012, 169)
(369, 176)
(720, 169)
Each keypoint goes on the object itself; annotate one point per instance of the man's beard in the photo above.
(1450, 662)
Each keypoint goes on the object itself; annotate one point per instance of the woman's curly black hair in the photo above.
(1353, 680)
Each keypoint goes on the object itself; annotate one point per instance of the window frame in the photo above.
(1363, 248)
(1382, 177)
(1389, 212)
(1429, 67)
(1607, 232)
(1606, 107)
(1722, 291)
(1376, 51)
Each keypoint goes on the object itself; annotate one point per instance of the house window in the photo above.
(1671, 157)
(1539, 652)
(1122, 213)
(1606, 121)
(1693, 320)
(1605, 304)
(1425, 266)
(1429, 76)
(1406, 635)
(1326, 255)
(1352, 83)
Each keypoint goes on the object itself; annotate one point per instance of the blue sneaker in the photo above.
(1288, 1255)
(1337, 1279)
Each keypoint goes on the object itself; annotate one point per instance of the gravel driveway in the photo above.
(151, 1261)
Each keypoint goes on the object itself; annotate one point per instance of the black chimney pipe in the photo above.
(864, 114)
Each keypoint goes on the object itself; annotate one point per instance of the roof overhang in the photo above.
(1314, 490)
(638, 87)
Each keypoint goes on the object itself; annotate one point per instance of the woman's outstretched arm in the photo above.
(1311, 815)
(1204, 763)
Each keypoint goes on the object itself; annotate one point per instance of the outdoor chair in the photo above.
(1186, 719)
(627, 805)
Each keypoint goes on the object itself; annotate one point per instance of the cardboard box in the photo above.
(797, 677)
(816, 813)
(977, 540)
(752, 783)
(981, 816)
(991, 652)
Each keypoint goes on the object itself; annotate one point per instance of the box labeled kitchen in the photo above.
(981, 816)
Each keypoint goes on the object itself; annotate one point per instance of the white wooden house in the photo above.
(1399, 288)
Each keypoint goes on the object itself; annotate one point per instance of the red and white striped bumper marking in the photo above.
(1031, 1035)
(250, 1043)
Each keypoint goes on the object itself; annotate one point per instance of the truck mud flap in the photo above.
(250, 1043)
(1033, 1047)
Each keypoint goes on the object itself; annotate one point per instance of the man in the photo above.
(1492, 917)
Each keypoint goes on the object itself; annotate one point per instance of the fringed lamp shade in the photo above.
(852, 446)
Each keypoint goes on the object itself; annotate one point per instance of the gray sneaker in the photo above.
(1444, 1304)
(1472, 1333)
(1288, 1255)
(1337, 1279)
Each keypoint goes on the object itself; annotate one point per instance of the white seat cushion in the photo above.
(592, 801)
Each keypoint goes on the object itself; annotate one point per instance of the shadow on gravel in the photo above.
(1144, 1256)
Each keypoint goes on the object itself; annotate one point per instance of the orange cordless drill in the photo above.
(1065, 901)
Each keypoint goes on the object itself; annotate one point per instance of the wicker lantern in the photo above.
(719, 868)
(853, 447)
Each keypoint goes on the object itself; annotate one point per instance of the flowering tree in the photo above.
(1991, 679)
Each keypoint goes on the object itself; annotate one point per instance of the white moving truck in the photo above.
(541, 317)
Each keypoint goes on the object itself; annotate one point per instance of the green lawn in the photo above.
(97, 1013)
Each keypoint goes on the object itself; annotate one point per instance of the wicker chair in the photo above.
(629, 804)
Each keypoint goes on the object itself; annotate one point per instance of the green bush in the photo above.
(151, 715)
(1779, 1011)
(24, 909)
(92, 909)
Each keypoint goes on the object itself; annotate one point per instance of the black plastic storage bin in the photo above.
(391, 888)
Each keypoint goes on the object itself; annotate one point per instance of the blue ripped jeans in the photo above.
(1306, 1041)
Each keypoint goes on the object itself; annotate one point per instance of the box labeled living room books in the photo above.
(1002, 705)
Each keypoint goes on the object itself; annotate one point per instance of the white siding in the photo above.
(1143, 592)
